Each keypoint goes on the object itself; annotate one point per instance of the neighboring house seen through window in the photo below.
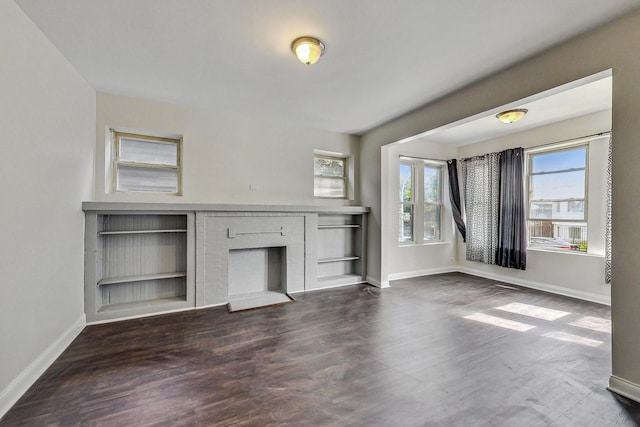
(557, 180)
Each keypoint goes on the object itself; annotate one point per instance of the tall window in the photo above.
(329, 176)
(147, 164)
(432, 202)
(557, 180)
(419, 211)
(406, 202)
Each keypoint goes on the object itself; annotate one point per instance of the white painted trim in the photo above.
(559, 290)
(624, 388)
(219, 304)
(377, 283)
(340, 285)
(418, 273)
(139, 316)
(10, 395)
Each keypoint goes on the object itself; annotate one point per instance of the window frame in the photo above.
(584, 222)
(418, 203)
(439, 168)
(411, 203)
(116, 137)
(344, 178)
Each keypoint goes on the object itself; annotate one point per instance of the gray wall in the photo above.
(47, 118)
(612, 46)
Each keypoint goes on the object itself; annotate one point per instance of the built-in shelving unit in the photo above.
(152, 258)
(140, 264)
(340, 249)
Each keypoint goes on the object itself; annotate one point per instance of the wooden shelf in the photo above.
(129, 279)
(142, 304)
(343, 279)
(106, 233)
(338, 259)
(320, 227)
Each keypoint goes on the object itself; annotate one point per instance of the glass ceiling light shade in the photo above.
(511, 116)
(307, 49)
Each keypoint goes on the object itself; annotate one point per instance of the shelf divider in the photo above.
(338, 259)
(129, 279)
(103, 233)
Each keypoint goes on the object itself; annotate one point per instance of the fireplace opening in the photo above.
(257, 277)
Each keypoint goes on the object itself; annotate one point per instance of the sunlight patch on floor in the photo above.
(533, 311)
(594, 323)
(498, 321)
(563, 336)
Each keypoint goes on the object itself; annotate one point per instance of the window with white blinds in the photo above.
(146, 164)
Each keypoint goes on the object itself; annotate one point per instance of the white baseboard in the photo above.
(559, 290)
(377, 283)
(10, 395)
(624, 388)
(140, 316)
(426, 272)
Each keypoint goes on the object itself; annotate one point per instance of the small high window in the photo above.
(146, 164)
(330, 176)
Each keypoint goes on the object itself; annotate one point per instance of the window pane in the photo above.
(558, 236)
(406, 182)
(559, 160)
(405, 223)
(162, 180)
(431, 185)
(431, 221)
(329, 187)
(135, 150)
(562, 185)
(328, 167)
(566, 210)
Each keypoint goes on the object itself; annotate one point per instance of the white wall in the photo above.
(410, 260)
(573, 274)
(47, 118)
(224, 154)
(609, 47)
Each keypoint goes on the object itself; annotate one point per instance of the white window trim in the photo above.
(348, 176)
(585, 141)
(418, 199)
(550, 149)
(115, 136)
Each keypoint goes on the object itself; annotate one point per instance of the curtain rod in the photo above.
(568, 141)
(422, 158)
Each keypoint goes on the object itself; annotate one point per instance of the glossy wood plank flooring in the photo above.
(426, 352)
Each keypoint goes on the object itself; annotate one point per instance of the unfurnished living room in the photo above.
(338, 213)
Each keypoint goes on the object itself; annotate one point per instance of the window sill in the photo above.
(411, 244)
(572, 253)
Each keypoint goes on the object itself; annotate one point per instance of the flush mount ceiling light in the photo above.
(307, 49)
(511, 116)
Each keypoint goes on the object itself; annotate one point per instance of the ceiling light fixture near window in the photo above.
(511, 116)
(307, 49)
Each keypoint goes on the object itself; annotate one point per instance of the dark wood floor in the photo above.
(405, 356)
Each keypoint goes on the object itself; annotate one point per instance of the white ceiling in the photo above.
(575, 100)
(383, 58)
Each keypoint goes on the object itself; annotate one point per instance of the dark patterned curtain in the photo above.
(512, 235)
(454, 197)
(481, 197)
(607, 253)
